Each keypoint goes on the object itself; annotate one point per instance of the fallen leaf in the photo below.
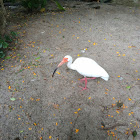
(38, 99)
(56, 106)
(112, 132)
(113, 105)
(34, 73)
(134, 133)
(42, 10)
(58, 72)
(79, 109)
(35, 124)
(37, 58)
(128, 87)
(89, 98)
(12, 99)
(77, 130)
(117, 111)
(8, 57)
(106, 89)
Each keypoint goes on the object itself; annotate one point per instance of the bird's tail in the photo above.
(105, 78)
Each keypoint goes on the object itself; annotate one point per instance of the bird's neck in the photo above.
(69, 64)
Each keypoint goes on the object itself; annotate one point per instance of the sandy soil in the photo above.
(56, 108)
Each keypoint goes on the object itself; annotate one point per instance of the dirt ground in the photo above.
(35, 106)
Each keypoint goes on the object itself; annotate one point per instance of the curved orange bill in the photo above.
(60, 64)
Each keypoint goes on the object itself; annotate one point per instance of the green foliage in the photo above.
(13, 34)
(128, 87)
(3, 45)
(4, 42)
(134, 133)
(12, 1)
(31, 5)
(59, 5)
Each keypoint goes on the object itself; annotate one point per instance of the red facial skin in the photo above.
(63, 61)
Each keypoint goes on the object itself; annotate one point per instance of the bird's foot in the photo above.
(81, 80)
(83, 88)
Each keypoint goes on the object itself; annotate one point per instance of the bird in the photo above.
(86, 67)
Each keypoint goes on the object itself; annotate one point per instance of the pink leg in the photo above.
(84, 88)
(81, 80)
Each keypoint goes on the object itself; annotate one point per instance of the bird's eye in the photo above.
(66, 59)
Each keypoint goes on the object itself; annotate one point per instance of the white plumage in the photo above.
(86, 67)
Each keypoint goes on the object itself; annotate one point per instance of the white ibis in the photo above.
(86, 67)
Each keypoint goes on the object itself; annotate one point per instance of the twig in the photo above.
(112, 127)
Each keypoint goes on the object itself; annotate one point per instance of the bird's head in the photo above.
(66, 59)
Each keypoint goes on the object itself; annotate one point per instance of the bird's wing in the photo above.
(88, 67)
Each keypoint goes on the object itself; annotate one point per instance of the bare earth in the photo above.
(56, 108)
